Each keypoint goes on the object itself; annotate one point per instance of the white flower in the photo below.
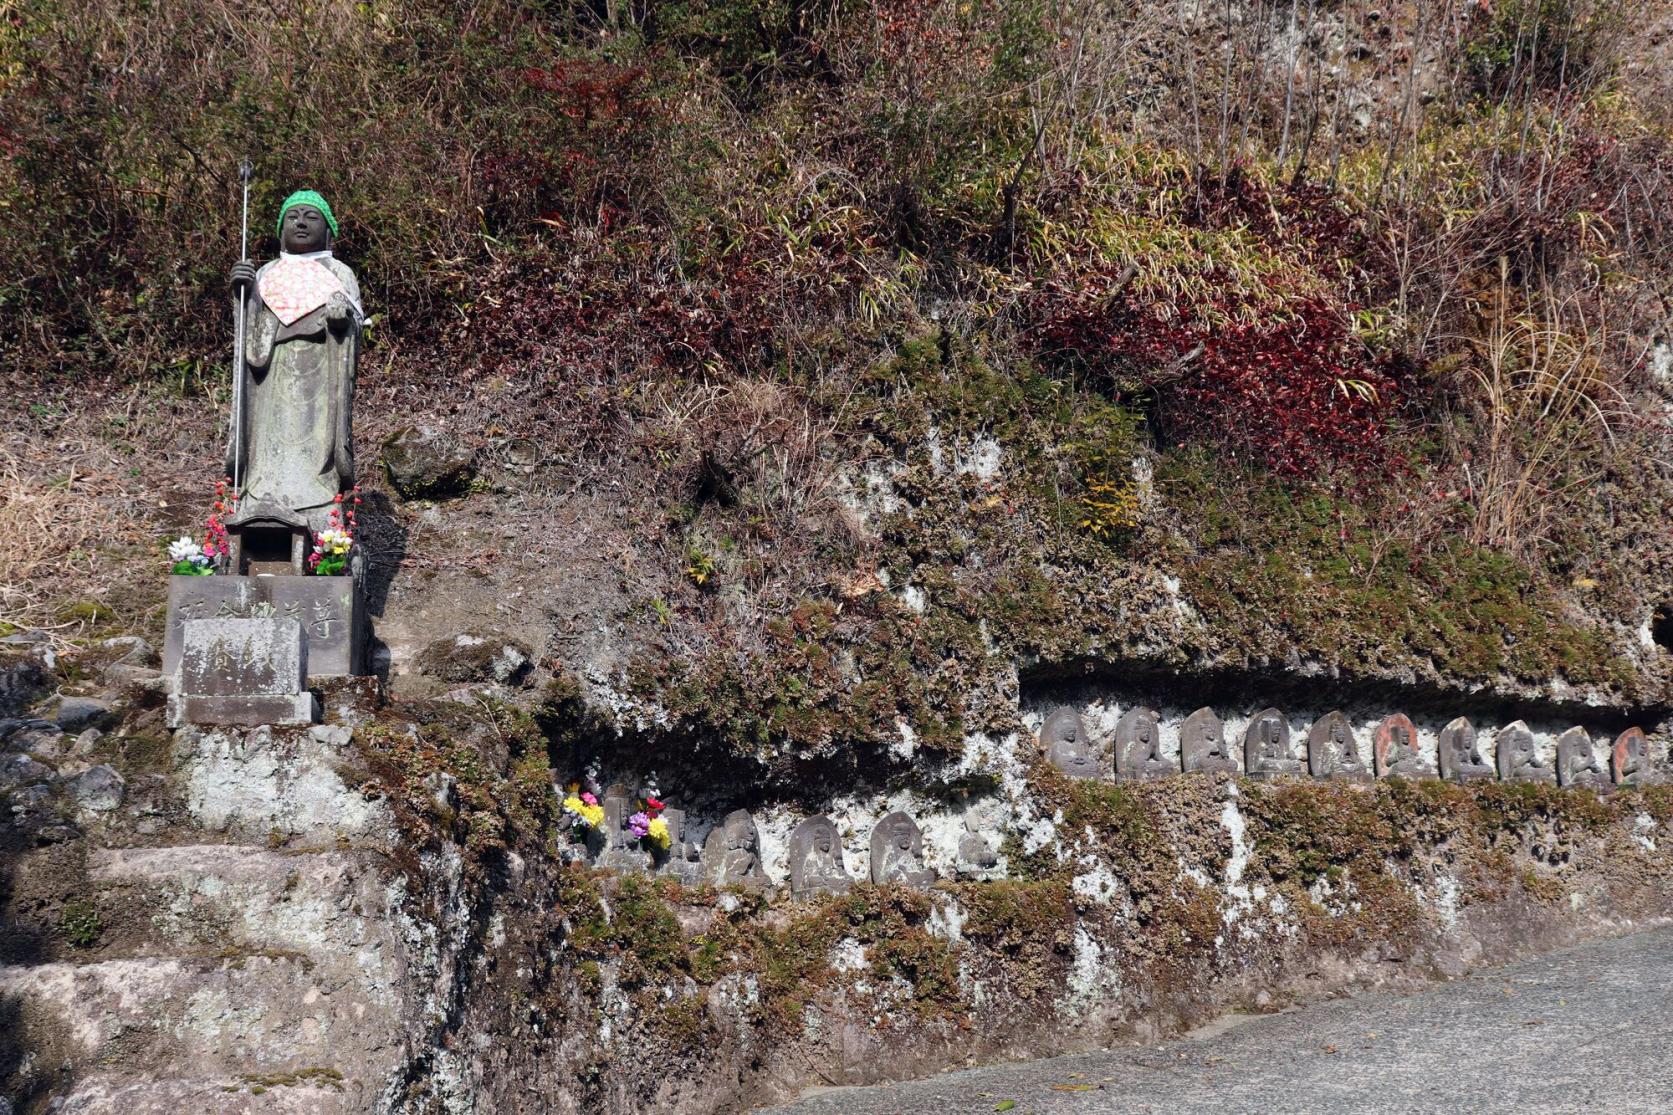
(184, 549)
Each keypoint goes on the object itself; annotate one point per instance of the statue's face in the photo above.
(822, 842)
(903, 838)
(304, 230)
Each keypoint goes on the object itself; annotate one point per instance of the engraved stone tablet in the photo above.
(1518, 760)
(897, 852)
(816, 865)
(1630, 762)
(1394, 750)
(1202, 745)
(1460, 759)
(241, 671)
(1266, 747)
(1577, 762)
(1333, 752)
(732, 853)
(1138, 748)
(330, 610)
(1067, 746)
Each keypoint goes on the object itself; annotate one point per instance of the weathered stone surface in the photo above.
(242, 671)
(732, 853)
(897, 852)
(1064, 737)
(1266, 747)
(1138, 747)
(331, 611)
(1202, 745)
(98, 789)
(1333, 751)
(1577, 762)
(1460, 758)
(20, 770)
(424, 463)
(75, 713)
(1394, 749)
(816, 865)
(477, 657)
(1630, 761)
(23, 680)
(683, 858)
(1518, 758)
(258, 782)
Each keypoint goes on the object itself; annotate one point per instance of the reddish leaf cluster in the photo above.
(1293, 391)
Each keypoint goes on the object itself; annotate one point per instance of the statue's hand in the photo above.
(337, 310)
(243, 276)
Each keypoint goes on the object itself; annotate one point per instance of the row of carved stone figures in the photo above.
(731, 855)
(1334, 752)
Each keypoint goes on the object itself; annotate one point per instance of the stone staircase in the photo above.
(257, 967)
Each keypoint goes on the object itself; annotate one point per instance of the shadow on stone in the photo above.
(385, 540)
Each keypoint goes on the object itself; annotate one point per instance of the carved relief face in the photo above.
(740, 836)
(901, 837)
(1266, 736)
(1338, 733)
(1401, 739)
(822, 841)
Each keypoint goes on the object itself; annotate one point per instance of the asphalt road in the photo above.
(1588, 1029)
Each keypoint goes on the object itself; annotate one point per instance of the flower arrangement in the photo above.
(193, 559)
(332, 545)
(647, 824)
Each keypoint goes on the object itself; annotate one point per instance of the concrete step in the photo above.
(211, 899)
(282, 1013)
(314, 1092)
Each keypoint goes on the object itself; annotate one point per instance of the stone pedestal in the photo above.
(330, 610)
(241, 671)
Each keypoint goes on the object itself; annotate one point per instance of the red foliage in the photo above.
(1295, 392)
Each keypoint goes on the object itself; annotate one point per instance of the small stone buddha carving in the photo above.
(1630, 763)
(1202, 745)
(1333, 752)
(1394, 749)
(1138, 748)
(1518, 757)
(683, 858)
(816, 865)
(897, 852)
(1460, 758)
(1266, 747)
(1577, 762)
(1068, 748)
(732, 852)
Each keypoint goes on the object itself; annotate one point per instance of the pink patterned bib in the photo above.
(293, 288)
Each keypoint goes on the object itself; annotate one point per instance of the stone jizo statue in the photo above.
(1333, 752)
(1266, 747)
(1202, 744)
(292, 444)
(1630, 763)
(1460, 758)
(732, 853)
(1068, 748)
(1395, 752)
(897, 852)
(816, 865)
(1138, 748)
(1577, 761)
(1518, 757)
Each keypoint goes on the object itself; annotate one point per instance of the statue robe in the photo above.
(297, 405)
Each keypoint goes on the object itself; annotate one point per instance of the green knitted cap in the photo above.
(306, 197)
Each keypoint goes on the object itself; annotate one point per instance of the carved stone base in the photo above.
(291, 709)
(331, 610)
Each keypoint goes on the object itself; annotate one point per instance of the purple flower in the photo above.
(640, 824)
